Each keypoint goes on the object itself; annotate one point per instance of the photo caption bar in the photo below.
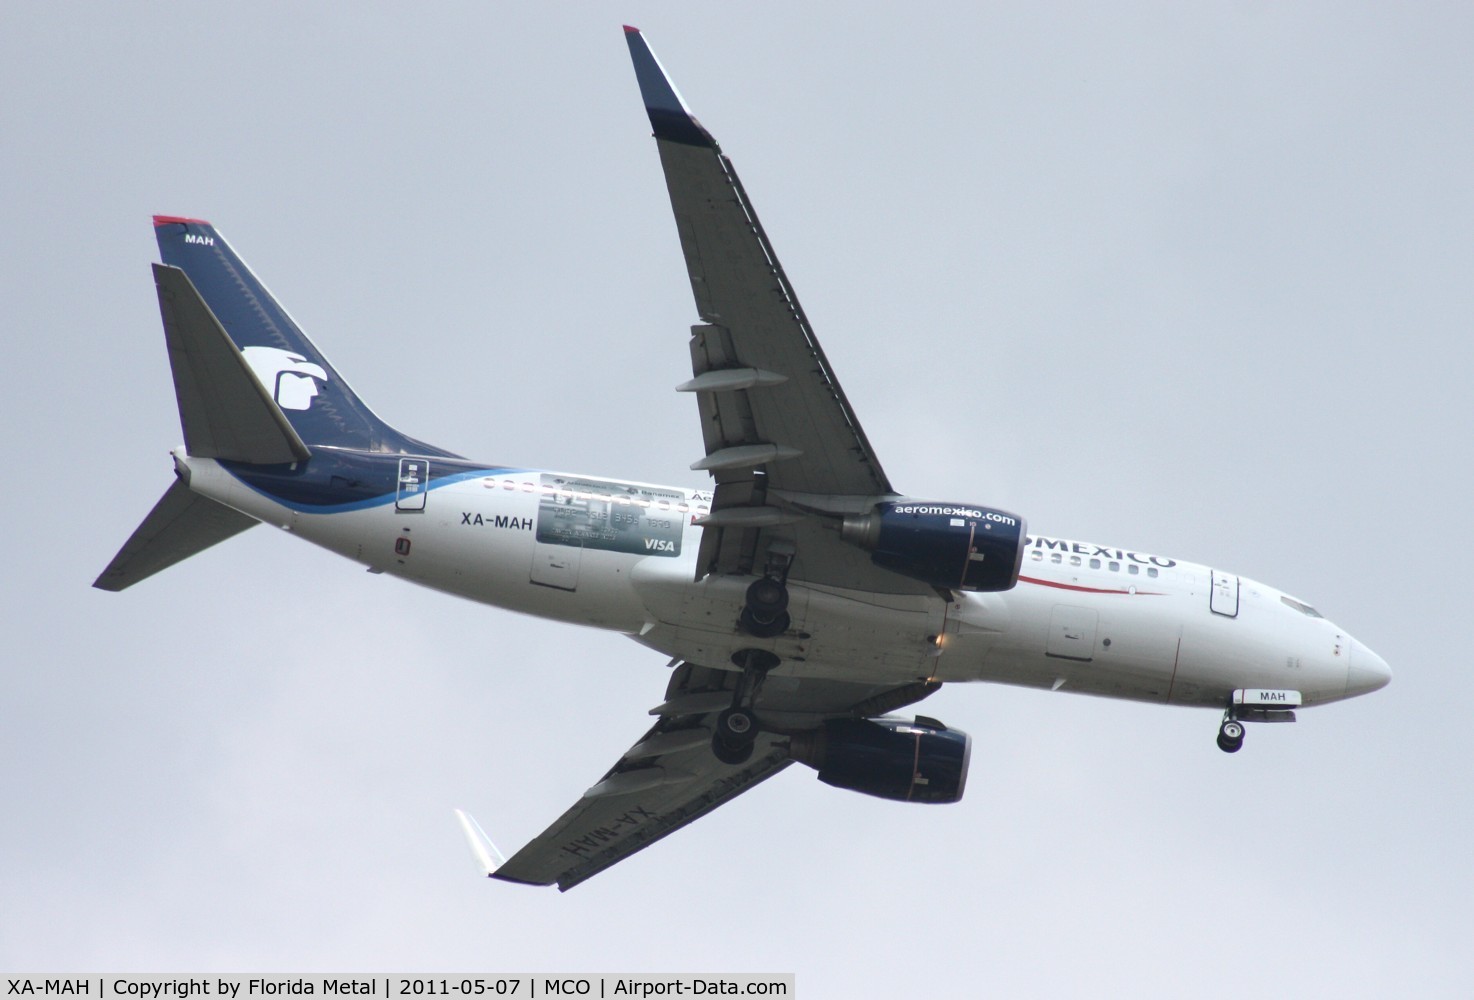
(135, 986)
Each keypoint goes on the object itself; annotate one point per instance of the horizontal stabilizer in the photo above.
(181, 524)
(223, 407)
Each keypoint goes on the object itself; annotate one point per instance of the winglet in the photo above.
(669, 116)
(488, 858)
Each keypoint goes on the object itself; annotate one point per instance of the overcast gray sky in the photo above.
(1192, 279)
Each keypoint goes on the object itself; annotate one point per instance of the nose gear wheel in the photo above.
(1230, 734)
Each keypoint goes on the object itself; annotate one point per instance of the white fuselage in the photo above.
(1083, 618)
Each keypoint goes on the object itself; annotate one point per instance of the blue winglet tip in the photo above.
(669, 116)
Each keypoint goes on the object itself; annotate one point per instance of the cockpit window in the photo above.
(1304, 609)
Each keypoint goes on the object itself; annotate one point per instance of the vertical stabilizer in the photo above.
(315, 399)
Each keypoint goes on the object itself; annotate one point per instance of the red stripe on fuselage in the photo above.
(1086, 590)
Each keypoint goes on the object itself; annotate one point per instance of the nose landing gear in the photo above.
(1255, 705)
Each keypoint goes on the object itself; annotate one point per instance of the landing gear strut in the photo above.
(1230, 734)
(736, 728)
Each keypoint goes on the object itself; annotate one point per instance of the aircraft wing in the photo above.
(671, 777)
(773, 415)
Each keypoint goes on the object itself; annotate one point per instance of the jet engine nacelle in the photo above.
(920, 761)
(952, 545)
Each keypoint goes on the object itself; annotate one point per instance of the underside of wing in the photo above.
(769, 399)
(671, 777)
(781, 440)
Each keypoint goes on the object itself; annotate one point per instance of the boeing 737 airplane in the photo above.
(801, 599)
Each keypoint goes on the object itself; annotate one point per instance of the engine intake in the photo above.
(920, 761)
(961, 546)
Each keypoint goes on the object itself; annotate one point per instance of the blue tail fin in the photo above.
(319, 405)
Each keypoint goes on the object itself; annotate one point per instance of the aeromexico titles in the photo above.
(801, 600)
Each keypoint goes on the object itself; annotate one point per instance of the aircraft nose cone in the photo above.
(1367, 672)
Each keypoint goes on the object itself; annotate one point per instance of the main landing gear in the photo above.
(765, 612)
(1230, 734)
(736, 728)
(735, 734)
(764, 615)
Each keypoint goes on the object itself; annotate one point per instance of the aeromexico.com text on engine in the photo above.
(937, 511)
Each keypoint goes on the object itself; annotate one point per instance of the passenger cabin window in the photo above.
(1074, 560)
(1133, 569)
(1151, 571)
(1115, 567)
(1095, 564)
(1304, 609)
(1054, 557)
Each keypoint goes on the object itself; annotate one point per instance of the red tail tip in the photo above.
(164, 220)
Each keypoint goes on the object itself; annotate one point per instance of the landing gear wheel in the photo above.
(1231, 736)
(736, 725)
(736, 732)
(765, 614)
(730, 755)
(759, 627)
(734, 735)
(767, 595)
